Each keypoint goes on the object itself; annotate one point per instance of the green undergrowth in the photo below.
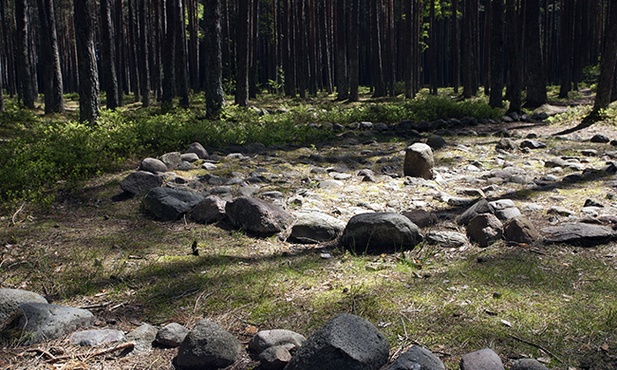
(39, 154)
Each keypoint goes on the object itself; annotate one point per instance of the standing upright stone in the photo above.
(419, 161)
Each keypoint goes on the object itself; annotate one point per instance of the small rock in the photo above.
(42, 321)
(207, 346)
(561, 211)
(520, 230)
(209, 166)
(172, 160)
(532, 144)
(171, 335)
(506, 144)
(436, 142)
(582, 234)
(198, 149)
(11, 299)
(209, 210)
(599, 138)
(153, 165)
(485, 359)
(527, 364)
(96, 337)
(446, 239)
(485, 229)
(417, 358)
(276, 337)
(421, 217)
(189, 157)
(419, 161)
(140, 182)
(380, 232)
(257, 216)
(143, 336)
(274, 358)
(315, 227)
(170, 204)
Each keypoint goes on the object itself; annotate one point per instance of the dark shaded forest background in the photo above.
(164, 50)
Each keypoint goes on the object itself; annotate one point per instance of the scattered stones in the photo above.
(419, 161)
(485, 359)
(417, 358)
(484, 229)
(315, 227)
(170, 204)
(171, 335)
(207, 346)
(257, 216)
(42, 321)
(140, 182)
(379, 233)
(577, 233)
(345, 342)
(96, 337)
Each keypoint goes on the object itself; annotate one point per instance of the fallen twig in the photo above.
(40, 351)
(537, 346)
(16, 213)
(93, 306)
(122, 346)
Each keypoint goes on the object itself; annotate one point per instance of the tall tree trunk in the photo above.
(379, 78)
(515, 71)
(213, 59)
(432, 50)
(567, 46)
(133, 36)
(468, 52)
(7, 31)
(54, 99)
(143, 58)
(607, 66)
(243, 20)
(182, 76)
(88, 71)
(193, 44)
(169, 67)
(120, 52)
(354, 52)
(407, 45)
(24, 68)
(108, 55)
(536, 76)
(456, 49)
(342, 79)
(1, 89)
(496, 63)
(254, 49)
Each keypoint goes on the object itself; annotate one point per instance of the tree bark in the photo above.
(342, 79)
(213, 59)
(169, 68)
(515, 73)
(24, 68)
(242, 52)
(607, 65)
(120, 54)
(567, 47)
(142, 57)
(88, 70)
(354, 52)
(52, 72)
(536, 76)
(181, 64)
(496, 62)
(456, 49)
(108, 55)
(379, 78)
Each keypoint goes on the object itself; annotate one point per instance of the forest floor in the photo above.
(555, 303)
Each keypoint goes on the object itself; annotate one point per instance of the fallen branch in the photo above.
(16, 213)
(122, 346)
(537, 346)
(40, 351)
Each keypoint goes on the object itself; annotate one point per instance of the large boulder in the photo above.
(140, 182)
(578, 233)
(42, 321)
(485, 359)
(170, 204)
(257, 216)
(207, 346)
(417, 358)
(11, 299)
(315, 227)
(380, 232)
(419, 161)
(485, 229)
(346, 342)
(152, 165)
(209, 210)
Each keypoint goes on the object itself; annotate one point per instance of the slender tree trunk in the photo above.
(567, 47)
(143, 58)
(213, 59)
(456, 50)
(433, 42)
(536, 75)
(169, 68)
(88, 70)
(496, 63)
(607, 66)
(407, 45)
(1, 89)
(120, 54)
(181, 64)
(193, 44)
(242, 52)
(24, 70)
(468, 54)
(379, 78)
(108, 55)
(354, 52)
(342, 79)
(515, 74)
(54, 99)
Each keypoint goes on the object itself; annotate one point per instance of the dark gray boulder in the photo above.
(520, 230)
(485, 229)
(42, 321)
(11, 299)
(436, 142)
(527, 364)
(421, 217)
(578, 233)
(96, 337)
(346, 342)
(209, 210)
(417, 358)
(419, 161)
(171, 335)
(315, 227)
(172, 160)
(153, 165)
(140, 182)
(207, 346)
(257, 216)
(170, 204)
(380, 232)
(485, 359)
(478, 208)
(599, 138)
